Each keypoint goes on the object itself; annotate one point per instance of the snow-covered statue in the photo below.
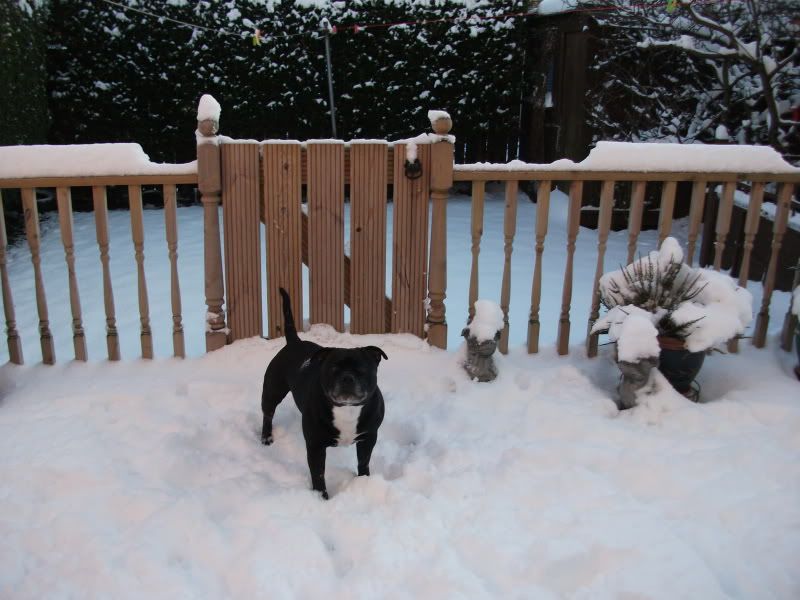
(636, 380)
(482, 334)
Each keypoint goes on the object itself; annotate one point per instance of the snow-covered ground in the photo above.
(148, 479)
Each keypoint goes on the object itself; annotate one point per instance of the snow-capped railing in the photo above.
(97, 166)
(636, 165)
(265, 182)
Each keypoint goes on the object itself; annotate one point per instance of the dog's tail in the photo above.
(289, 329)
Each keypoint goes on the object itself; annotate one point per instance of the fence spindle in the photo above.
(478, 195)
(750, 230)
(778, 231)
(137, 232)
(101, 227)
(697, 205)
(635, 217)
(667, 210)
(509, 229)
(171, 226)
(64, 199)
(32, 233)
(723, 222)
(12, 336)
(603, 227)
(542, 214)
(573, 225)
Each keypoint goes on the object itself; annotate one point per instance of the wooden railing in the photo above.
(265, 182)
(544, 177)
(63, 189)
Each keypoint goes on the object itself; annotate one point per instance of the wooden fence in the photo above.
(702, 184)
(270, 182)
(99, 185)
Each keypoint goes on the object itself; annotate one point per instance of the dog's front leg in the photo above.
(316, 465)
(364, 448)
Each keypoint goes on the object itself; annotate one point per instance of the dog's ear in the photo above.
(375, 352)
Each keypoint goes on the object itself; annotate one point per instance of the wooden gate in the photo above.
(299, 192)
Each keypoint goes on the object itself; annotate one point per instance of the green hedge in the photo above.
(23, 78)
(121, 76)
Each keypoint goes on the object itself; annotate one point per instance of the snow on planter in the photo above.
(662, 294)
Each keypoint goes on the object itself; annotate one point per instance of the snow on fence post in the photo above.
(778, 231)
(441, 182)
(209, 182)
(14, 343)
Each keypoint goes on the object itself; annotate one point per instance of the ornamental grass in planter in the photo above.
(658, 306)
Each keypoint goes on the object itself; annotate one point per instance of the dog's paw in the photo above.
(363, 471)
(324, 494)
(266, 439)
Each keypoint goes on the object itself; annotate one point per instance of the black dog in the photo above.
(336, 390)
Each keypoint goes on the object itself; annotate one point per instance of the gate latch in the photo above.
(413, 169)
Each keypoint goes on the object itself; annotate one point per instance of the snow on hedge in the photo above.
(80, 160)
(669, 158)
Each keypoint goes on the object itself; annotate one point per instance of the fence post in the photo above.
(209, 182)
(441, 181)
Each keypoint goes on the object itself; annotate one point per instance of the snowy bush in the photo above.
(659, 295)
(710, 71)
(119, 75)
(23, 78)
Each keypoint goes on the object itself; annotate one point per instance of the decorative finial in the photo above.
(440, 122)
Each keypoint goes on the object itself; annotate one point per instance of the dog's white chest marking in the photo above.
(345, 419)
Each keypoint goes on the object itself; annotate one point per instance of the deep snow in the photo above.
(148, 479)
(137, 479)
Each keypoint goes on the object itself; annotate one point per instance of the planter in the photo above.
(678, 365)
